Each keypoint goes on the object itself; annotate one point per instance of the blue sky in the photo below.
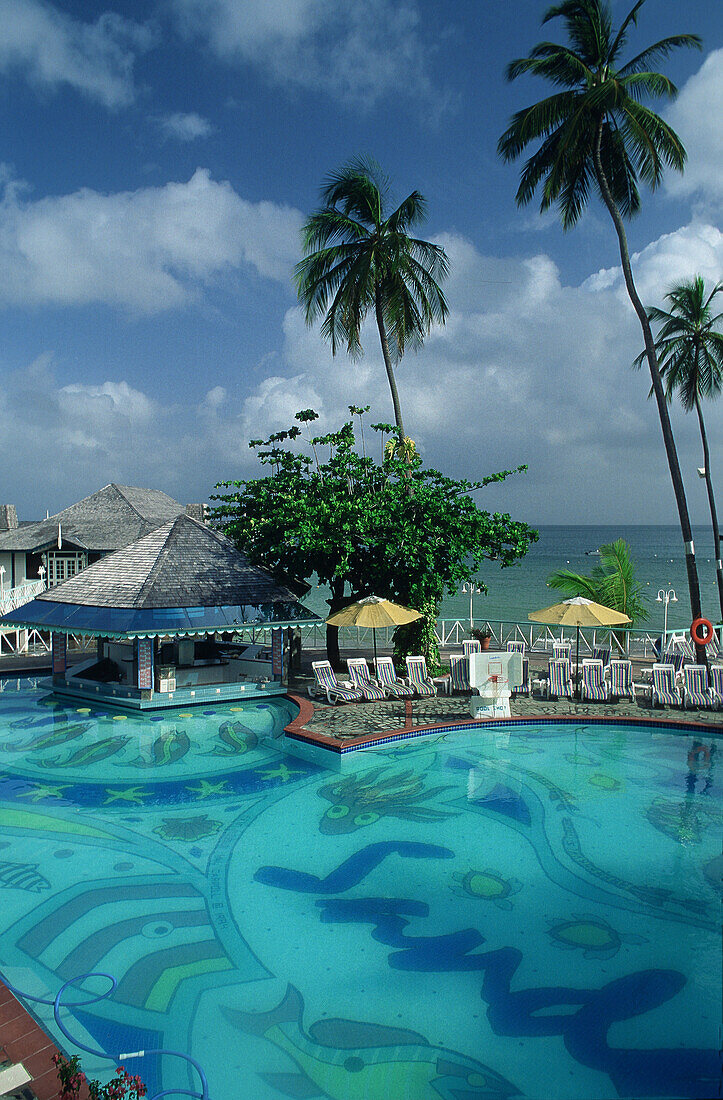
(158, 159)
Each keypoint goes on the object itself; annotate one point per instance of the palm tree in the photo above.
(690, 352)
(358, 257)
(611, 583)
(596, 133)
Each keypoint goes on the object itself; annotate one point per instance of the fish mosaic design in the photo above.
(350, 1060)
(88, 754)
(22, 876)
(590, 934)
(49, 739)
(359, 801)
(169, 919)
(187, 828)
(167, 749)
(235, 738)
(488, 886)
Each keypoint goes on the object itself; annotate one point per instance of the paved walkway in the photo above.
(358, 723)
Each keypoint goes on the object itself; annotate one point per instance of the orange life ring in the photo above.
(707, 637)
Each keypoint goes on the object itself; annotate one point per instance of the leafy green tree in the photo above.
(391, 528)
(690, 352)
(595, 133)
(611, 583)
(359, 257)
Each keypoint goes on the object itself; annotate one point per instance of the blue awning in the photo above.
(68, 618)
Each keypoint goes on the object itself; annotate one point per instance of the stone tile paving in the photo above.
(352, 720)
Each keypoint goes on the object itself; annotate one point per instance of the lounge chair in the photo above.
(696, 692)
(387, 678)
(418, 678)
(716, 683)
(327, 684)
(559, 679)
(360, 678)
(516, 647)
(593, 687)
(665, 691)
(620, 678)
(459, 673)
(561, 650)
(471, 645)
(602, 653)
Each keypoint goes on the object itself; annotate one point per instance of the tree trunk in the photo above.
(711, 502)
(669, 441)
(336, 603)
(390, 369)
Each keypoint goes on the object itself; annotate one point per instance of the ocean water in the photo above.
(656, 550)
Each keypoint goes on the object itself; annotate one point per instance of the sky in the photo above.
(157, 161)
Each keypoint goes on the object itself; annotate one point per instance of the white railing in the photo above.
(12, 598)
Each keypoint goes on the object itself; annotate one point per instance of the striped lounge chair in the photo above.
(360, 678)
(418, 678)
(327, 684)
(696, 692)
(593, 687)
(524, 688)
(471, 645)
(516, 647)
(620, 678)
(459, 673)
(602, 653)
(559, 679)
(716, 683)
(561, 650)
(665, 691)
(387, 678)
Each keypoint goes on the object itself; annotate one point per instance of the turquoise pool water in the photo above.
(467, 916)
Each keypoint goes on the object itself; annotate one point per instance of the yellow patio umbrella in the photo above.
(577, 612)
(373, 611)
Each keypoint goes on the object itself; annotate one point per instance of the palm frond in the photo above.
(660, 50)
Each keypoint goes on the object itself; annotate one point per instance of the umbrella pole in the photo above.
(578, 692)
(374, 636)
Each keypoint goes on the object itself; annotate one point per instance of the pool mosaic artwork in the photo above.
(469, 916)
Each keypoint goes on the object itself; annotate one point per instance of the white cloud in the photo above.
(53, 49)
(360, 52)
(185, 127)
(695, 249)
(147, 250)
(696, 118)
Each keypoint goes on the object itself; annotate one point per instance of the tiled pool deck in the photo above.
(344, 727)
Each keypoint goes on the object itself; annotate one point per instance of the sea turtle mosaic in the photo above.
(590, 934)
(487, 885)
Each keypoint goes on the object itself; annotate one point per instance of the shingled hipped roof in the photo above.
(107, 520)
(183, 577)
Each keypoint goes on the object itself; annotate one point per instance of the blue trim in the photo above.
(47, 614)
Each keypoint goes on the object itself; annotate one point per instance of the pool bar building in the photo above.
(175, 614)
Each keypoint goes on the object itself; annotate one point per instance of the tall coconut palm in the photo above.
(595, 133)
(690, 352)
(359, 257)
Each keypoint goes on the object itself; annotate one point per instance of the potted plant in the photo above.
(483, 635)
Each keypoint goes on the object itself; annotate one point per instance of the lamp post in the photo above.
(2, 582)
(665, 596)
(471, 589)
(41, 573)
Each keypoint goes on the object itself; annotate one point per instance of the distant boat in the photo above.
(593, 552)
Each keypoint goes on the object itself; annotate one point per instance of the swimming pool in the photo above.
(468, 915)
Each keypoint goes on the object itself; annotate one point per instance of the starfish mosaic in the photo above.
(206, 789)
(129, 794)
(44, 790)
